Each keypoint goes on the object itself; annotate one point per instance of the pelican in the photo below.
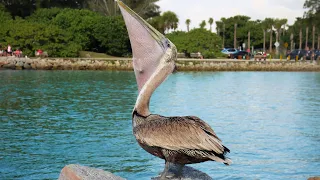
(177, 140)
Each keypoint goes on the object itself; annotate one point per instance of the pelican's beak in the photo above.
(129, 16)
(149, 46)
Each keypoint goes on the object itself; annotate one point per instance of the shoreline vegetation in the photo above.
(66, 29)
(125, 64)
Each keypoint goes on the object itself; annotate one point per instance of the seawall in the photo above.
(182, 64)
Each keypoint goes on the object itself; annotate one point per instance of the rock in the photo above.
(9, 66)
(26, 66)
(19, 65)
(314, 178)
(188, 173)
(78, 172)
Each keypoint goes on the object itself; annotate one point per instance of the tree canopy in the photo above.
(65, 27)
(64, 32)
(197, 40)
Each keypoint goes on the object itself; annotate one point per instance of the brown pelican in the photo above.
(178, 140)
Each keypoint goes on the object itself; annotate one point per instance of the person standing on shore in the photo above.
(9, 50)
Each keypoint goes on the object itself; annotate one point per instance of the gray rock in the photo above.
(9, 66)
(188, 173)
(78, 172)
(19, 64)
(27, 66)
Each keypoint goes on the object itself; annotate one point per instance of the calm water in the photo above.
(269, 120)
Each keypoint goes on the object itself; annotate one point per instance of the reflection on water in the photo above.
(269, 120)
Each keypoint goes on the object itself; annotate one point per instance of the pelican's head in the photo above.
(152, 51)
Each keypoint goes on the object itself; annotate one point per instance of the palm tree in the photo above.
(299, 24)
(210, 22)
(157, 22)
(145, 8)
(170, 20)
(220, 27)
(264, 26)
(235, 36)
(203, 24)
(224, 29)
(249, 26)
(284, 28)
(38, 4)
(313, 20)
(307, 33)
(269, 22)
(318, 41)
(278, 23)
(284, 23)
(313, 35)
(188, 21)
(291, 40)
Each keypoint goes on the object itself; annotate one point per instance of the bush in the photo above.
(65, 32)
(197, 40)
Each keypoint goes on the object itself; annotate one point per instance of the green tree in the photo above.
(203, 24)
(167, 21)
(24, 8)
(264, 26)
(312, 16)
(313, 7)
(170, 20)
(278, 23)
(210, 21)
(44, 15)
(188, 21)
(111, 36)
(145, 8)
(64, 32)
(157, 22)
(197, 40)
(220, 28)
(30, 36)
(269, 23)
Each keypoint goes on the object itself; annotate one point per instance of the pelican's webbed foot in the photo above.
(173, 173)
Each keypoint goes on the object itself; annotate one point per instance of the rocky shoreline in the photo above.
(182, 64)
(78, 172)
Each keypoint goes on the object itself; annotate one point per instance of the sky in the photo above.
(199, 10)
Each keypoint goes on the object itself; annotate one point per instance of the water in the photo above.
(269, 120)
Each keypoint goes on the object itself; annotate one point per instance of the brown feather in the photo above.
(181, 135)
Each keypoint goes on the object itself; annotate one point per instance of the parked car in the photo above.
(309, 54)
(240, 53)
(297, 52)
(229, 51)
(317, 54)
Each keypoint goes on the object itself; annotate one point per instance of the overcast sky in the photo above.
(198, 10)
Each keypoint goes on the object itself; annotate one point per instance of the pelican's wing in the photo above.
(179, 133)
(146, 42)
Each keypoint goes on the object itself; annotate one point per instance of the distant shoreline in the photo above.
(182, 64)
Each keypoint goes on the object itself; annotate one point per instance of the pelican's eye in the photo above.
(168, 45)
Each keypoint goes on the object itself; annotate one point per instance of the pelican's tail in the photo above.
(227, 161)
(221, 157)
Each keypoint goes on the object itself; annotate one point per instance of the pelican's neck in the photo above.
(142, 103)
(163, 70)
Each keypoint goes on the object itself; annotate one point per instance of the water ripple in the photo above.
(269, 120)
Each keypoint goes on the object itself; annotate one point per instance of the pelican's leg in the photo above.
(165, 171)
(179, 170)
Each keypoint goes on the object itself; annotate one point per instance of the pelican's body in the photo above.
(179, 140)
